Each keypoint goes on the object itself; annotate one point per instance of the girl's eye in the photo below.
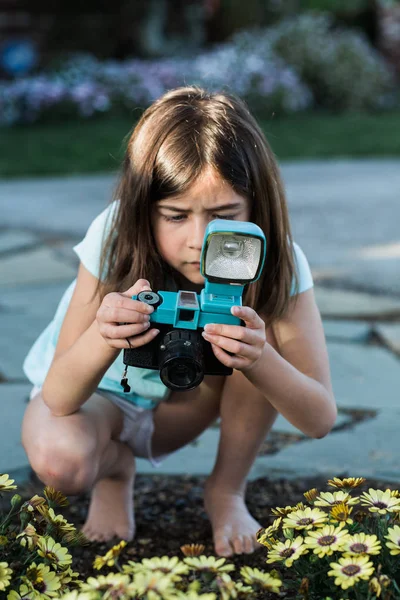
(173, 219)
(224, 217)
(179, 218)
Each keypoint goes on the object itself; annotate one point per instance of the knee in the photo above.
(67, 465)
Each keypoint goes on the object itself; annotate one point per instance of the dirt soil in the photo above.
(169, 513)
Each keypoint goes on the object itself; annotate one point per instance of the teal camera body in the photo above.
(233, 255)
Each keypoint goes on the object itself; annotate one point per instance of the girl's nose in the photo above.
(196, 233)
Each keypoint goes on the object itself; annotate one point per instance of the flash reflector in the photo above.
(232, 257)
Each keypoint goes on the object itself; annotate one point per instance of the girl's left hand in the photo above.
(246, 343)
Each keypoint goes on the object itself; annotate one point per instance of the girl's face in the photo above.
(179, 223)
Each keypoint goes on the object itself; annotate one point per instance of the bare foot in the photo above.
(234, 529)
(111, 505)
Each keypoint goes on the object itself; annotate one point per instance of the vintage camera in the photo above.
(232, 256)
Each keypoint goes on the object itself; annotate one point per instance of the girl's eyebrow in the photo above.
(214, 208)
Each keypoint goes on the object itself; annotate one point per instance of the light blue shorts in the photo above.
(137, 425)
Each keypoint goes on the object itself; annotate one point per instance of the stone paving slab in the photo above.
(36, 266)
(389, 334)
(370, 274)
(13, 459)
(370, 449)
(16, 240)
(364, 377)
(40, 299)
(64, 251)
(338, 304)
(349, 331)
(282, 425)
(58, 204)
(342, 212)
(17, 336)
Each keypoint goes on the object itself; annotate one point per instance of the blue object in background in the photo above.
(18, 56)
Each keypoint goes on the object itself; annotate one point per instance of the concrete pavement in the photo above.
(345, 215)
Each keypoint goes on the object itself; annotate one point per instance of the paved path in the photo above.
(345, 216)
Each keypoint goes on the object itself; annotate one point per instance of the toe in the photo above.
(238, 544)
(248, 544)
(222, 546)
(125, 534)
(90, 535)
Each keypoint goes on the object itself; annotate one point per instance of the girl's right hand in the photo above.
(121, 319)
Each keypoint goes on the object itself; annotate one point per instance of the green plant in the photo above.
(34, 544)
(36, 564)
(338, 545)
(341, 68)
(343, 7)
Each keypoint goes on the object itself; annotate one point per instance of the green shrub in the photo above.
(340, 67)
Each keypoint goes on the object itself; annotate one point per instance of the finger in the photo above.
(134, 342)
(233, 346)
(119, 309)
(233, 362)
(115, 332)
(248, 315)
(235, 332)
(141, 340)
(139, 286)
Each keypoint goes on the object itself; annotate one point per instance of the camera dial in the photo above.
(151, 298)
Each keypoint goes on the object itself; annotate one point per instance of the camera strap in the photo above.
(124, 379)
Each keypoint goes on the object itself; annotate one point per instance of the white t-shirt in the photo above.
(147, 388)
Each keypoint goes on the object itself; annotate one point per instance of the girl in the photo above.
(194, 156)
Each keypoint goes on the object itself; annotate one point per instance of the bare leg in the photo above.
(111, 504)
(77, 453)
(185, 415)
(246, 418)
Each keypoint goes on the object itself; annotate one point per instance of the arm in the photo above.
(92, 335)
(296, 380)
(82, 356)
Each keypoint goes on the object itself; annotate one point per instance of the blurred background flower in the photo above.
(322, 77)
(280, 57)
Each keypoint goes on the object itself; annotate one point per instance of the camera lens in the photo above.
(181, 375)
(181, 359)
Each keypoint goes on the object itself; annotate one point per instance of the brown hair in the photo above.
(177, 137)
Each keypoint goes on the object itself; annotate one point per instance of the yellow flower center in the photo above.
(358, 548)
(33, 575)
(287, 552)
(51, 556)
(305, 521)
(351, 570)
(326, 540)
